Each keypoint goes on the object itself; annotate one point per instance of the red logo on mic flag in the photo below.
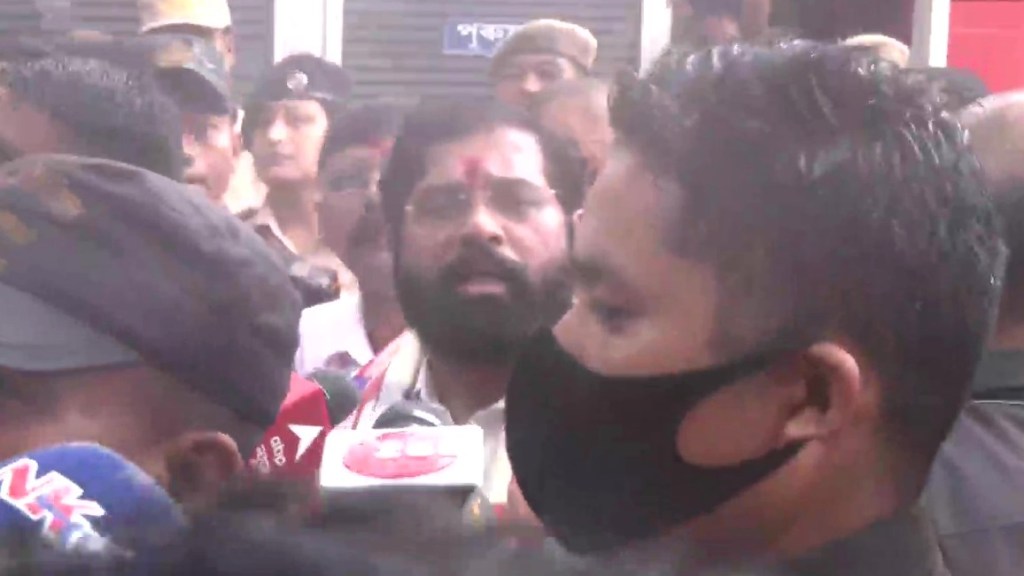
(53, 498)
(401, 454)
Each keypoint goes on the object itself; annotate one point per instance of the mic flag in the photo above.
(83, 497)
(293, 446)
(412, 453)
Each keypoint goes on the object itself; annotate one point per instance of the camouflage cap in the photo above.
(156, 267)
(191, 71)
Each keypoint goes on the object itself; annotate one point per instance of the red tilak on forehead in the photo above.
(473, 171)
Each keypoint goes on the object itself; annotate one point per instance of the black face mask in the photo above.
(596, 456)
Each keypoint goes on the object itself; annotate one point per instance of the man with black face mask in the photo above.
(786, 275)
(472, 195)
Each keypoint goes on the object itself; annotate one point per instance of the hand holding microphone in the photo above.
(83, 497)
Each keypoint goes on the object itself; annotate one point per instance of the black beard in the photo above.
(481, 330)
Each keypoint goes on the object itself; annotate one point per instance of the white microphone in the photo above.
(412, 449)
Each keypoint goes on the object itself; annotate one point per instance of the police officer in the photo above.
(285, 122)
(193, 74)
(539, 54)
(208, 20)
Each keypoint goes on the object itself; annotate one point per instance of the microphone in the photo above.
(83, 497)
(412, 414)
(412, 449)
(342, 395)
(294, 443)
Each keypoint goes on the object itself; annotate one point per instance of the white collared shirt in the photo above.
(409, 366)
(330, 329)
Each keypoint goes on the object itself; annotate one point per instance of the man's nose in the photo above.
(531, 84)
(277, 131)
(484, 224)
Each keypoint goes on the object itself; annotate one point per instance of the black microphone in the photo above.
(340, 390)
(413, 414)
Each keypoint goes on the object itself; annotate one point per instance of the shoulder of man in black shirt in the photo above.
(974, 493)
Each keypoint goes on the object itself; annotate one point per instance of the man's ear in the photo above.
(834, 393)
(198, 465)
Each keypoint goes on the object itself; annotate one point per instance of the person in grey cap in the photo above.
(138, 316)
(539, 54)
(193, 74)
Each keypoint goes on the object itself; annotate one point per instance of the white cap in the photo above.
(213, 14)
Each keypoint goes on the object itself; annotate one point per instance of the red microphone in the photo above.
(293, 446)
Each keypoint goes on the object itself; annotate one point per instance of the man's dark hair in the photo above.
(116, 113)
(957, 88)
(367, 125)
(271, 530)
(836, 199)
(441, 121)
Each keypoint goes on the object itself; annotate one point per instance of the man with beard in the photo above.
(472, 196)
(347, 332)
(786, 275)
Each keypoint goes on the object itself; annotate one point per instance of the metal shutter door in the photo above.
(20, 16)
(254, 41)
(393, 48)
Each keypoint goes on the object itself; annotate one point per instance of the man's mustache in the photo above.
(480, 258)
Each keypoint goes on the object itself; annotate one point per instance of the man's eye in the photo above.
(549, 73)
(612, 318)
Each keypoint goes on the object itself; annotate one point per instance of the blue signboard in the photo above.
(465, 37)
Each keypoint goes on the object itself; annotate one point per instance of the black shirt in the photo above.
(976, 491)
(903, 545)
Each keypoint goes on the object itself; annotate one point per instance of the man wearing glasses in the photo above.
(473, 198)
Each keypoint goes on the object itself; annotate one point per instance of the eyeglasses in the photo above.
(513, 198)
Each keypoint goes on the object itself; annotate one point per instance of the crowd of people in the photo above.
(751, 312)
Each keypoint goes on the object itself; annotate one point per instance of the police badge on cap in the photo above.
(297, 82)
(298, 77)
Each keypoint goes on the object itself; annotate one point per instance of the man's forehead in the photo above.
(625, 202)
(534, 59)
(506, 151)
(294, 106)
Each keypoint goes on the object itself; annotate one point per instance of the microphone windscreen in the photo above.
(83, 497)
(413, 413)
(293, 445)
(342, 395)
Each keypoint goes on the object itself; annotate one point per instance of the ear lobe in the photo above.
(198, 465)
(834, 390)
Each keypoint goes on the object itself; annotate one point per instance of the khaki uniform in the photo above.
(320, 275)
